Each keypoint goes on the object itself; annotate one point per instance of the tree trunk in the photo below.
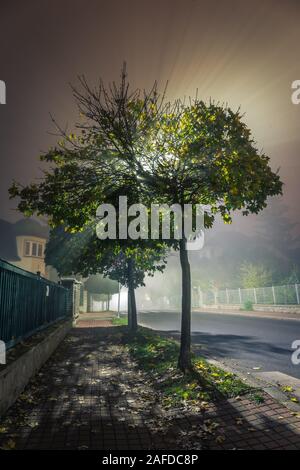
(129, 316)
(108, 301)
(184, 361)
(132, 313)
(119, 299)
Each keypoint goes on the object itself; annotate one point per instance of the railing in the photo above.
(28, 303)
(273, 295)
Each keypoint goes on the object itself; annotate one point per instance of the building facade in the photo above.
(23, 244)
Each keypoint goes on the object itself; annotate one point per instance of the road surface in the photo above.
(247, 342)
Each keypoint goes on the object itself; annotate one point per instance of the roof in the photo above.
(31, 227)
(9, 231)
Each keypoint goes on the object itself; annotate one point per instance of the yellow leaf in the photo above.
(287, 388)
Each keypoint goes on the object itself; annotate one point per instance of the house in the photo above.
(23, 244)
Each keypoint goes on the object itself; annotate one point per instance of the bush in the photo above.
(248, 305)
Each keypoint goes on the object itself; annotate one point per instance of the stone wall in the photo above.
(15, 376)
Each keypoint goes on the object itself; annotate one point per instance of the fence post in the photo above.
(255, 296)
(119, 298)
(297, 294)
(240, 295)
(200, 297)
(227, 296)
(83, 307)
(74, 287)
(274, 297)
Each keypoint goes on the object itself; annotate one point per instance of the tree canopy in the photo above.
(137, 144)
(97, 284)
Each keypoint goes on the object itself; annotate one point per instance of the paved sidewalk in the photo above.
(90, 395)
(97, 315)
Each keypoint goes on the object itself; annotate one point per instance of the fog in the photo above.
(268, 240)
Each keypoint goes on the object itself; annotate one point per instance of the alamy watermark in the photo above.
(296, 354)
(159, 222)
(295, 97)
(2, 92)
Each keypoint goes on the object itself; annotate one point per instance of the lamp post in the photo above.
(119, 298)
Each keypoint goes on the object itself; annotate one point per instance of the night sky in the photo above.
(242, 53)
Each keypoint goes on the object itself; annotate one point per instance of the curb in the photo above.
(254, 314)
(258, 382)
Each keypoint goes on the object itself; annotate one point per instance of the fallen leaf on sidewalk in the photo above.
(9, 445)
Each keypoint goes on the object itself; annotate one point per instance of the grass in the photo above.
(158, 355)
(119, 321)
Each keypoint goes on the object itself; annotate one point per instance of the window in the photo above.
(40, 250)
(27, 248)
(33, 249)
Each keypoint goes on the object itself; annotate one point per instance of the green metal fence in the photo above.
(28, 303)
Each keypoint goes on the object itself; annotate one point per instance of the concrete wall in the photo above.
(14, 378)
(256, 307)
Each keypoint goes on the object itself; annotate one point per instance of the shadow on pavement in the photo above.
(91, 395)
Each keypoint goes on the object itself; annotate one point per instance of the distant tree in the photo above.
(255, 275)
(204, 154)
(85, 254)
(294, 276)
(98, 284)
(275, 226)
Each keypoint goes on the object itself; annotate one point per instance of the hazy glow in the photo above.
(242, 53)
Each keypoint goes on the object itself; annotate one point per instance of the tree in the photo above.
(98, 284)
(96, 165)
(83, 253)
(137, 145)
(204, 154)
(255, 275)
(294, 276)
(130, 269)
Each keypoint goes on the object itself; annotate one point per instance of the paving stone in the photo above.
(90, 395)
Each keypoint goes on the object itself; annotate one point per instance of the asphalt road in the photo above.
(244, 341)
